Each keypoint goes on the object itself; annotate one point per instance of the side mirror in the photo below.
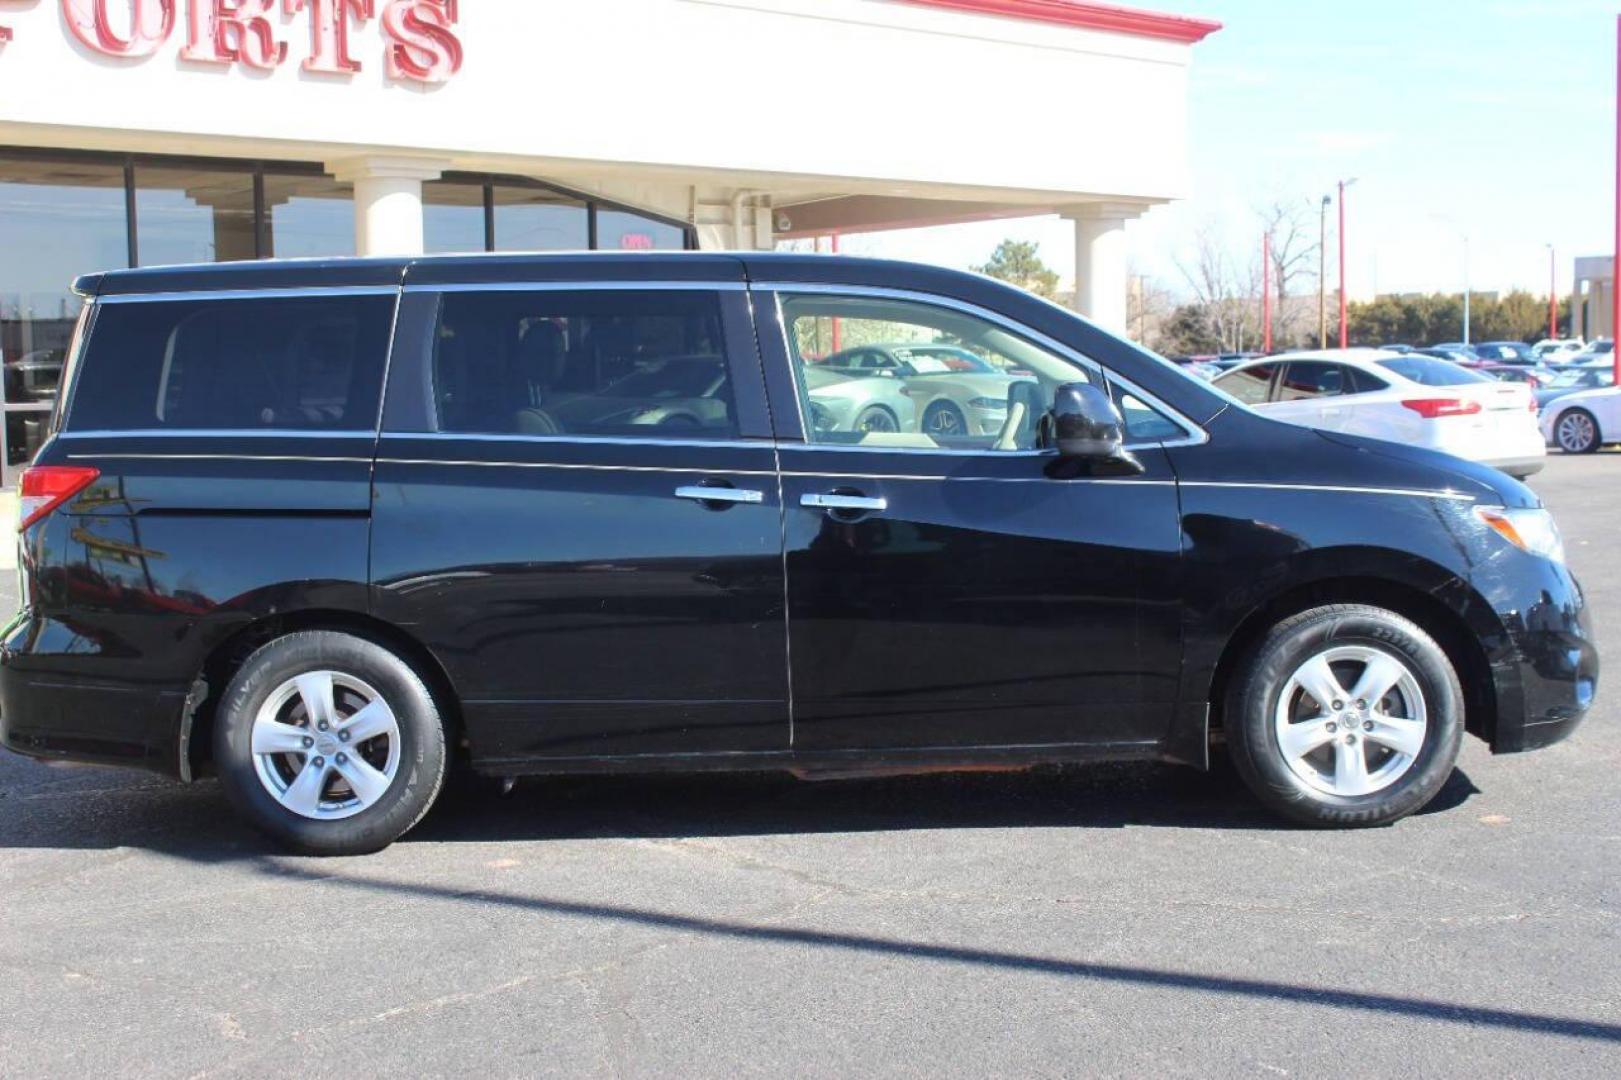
(1085, 426)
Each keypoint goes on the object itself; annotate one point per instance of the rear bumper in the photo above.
(1520, 465)
(60, 717)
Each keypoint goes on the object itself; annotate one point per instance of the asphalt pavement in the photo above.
(1123, 920)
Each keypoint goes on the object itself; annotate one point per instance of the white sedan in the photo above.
(1582, 422)
(1416, 400)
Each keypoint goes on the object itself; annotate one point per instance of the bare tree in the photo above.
(1294, 257)
(1227, 293)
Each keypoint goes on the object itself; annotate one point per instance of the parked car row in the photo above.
(1414, 399)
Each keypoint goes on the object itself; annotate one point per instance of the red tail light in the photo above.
(1435, 408)
(45, 487)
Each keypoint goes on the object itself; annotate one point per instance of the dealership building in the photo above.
(142, 132)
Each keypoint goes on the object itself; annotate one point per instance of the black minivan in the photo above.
(329, 529)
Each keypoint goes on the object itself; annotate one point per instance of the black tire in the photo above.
(1256, 688)
(420, 772)
(877, 418)
(944, 418)
(1587, 443)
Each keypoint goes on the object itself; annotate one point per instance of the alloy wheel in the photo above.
(1576, 432)
(1351, 720)
(326, 745)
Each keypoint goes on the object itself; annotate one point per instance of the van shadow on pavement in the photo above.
(55, 807)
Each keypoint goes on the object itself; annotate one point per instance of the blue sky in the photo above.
(1491, 118)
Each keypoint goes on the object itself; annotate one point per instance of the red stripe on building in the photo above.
(1089, 16)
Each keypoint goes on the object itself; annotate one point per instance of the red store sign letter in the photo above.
(150, 23)
(423, 46)
(329, 32)
(227, 31)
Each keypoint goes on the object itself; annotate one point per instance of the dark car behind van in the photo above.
(329, 529)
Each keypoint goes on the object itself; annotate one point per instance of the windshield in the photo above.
(933, 360)
(1427, 371)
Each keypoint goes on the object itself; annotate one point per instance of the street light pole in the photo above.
(1468, 290)
(1266, 292)
(1615, 267)
(1345, 327)
(1553, 295)
(1322, 274)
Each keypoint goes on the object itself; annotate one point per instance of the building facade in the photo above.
(140, 132)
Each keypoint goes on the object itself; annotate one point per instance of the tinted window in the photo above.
(1249, 385)
(1431, 372)
(308, 363)
(1311, 380)
(582, 364)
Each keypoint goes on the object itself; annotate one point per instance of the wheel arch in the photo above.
(1449, 627)
(226, 658)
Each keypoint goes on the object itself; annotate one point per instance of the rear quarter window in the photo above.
(272, 364)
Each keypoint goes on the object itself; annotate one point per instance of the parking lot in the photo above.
(1112, 920)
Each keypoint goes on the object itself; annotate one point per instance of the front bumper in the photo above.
(1546, 669)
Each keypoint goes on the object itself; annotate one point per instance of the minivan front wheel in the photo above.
(330, 743)
(1346, 716)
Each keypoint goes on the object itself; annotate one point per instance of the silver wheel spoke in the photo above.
(1318, 680)
(1298, 740)
(373, 720)
(274, 738)
(1350, 768)
(1402, 736)
(1379, 677)
(367, 783)
(296, 762)
(315, 690)
(1385, 709)
(303, 795)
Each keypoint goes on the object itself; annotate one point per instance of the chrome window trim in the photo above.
(220, 433)
(224, 457)
(581, 440)
(1196, 435)
(592, 285)
(573, 466)
(291, 293)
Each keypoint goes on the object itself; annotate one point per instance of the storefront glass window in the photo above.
(452, 217)
(57, 220)
(193, 215)
(534, 219)
(621, 231)
(310, 216)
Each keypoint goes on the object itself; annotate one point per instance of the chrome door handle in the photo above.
(698, 493)
(859, 503)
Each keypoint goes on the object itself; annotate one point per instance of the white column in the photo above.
(1101, 278)
(388, 201)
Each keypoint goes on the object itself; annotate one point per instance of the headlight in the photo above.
(989, 404)
(1532, 531)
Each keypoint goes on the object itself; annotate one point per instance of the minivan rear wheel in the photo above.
(329, 743)
(1345, 716)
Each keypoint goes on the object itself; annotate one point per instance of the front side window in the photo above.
(582, 364)
(252, 364)
(901, 373)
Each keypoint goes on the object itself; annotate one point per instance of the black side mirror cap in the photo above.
(1086, 427)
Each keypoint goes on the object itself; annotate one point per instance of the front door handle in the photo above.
(860, 504)
(729, 495)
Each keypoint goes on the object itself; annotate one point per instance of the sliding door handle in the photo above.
(860, 504)
(729, 495)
